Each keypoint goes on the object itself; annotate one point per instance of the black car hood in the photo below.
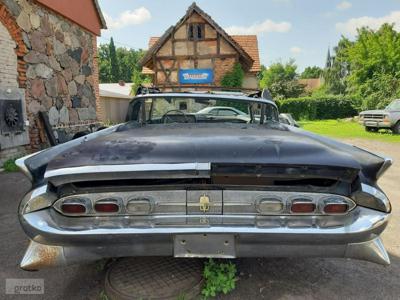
(210, 143)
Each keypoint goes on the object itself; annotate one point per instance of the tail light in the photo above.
(106, 206)
(336, 208)
(302, 206)
(335, 205)
(270, 206)
(139, 206)
(73, 208)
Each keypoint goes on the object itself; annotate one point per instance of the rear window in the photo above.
(162, 110)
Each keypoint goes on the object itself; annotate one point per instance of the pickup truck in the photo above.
(388, 118)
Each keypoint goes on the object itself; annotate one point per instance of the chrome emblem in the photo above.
(204, 203)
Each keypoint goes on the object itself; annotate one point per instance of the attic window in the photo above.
(196, 32)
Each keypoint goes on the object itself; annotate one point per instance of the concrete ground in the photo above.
(258, 278)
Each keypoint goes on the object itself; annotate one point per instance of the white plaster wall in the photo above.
(8, 60)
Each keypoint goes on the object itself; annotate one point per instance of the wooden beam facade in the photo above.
(207, 50)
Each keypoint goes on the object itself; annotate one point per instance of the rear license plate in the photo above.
(204, 245)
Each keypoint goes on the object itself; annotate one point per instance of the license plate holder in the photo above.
(205, 245)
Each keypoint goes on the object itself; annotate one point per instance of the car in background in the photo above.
(288, 119)
(224, 113)
(388, 118)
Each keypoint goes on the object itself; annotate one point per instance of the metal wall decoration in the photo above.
(11, 116)
(13, 120)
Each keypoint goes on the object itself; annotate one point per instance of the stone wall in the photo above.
(56, 65)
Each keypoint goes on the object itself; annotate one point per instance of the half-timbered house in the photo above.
(197, 51)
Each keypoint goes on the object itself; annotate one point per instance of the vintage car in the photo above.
(169, 182)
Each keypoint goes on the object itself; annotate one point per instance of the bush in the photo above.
(10, 166)
(318, 108)
(233, 78)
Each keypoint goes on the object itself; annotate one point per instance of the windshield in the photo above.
(161, 110)
(395, 105)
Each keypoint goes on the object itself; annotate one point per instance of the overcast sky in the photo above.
(299, 29)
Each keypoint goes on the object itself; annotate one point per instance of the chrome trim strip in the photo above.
(377, 194)
(45, 227)
(128, 168)
(20, 162)
(372, 250)
(385, 166)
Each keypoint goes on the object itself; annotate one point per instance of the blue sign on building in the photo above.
(196, 76)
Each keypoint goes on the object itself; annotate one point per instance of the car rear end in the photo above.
(221, 210)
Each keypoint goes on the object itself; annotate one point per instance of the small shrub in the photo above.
(219, 277)
(318, 108)
(233, 78)
(10, 166)
(103, 296)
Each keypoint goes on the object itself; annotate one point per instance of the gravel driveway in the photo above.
(258, 278)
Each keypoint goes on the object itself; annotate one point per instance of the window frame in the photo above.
(136, 113)
(193, 28)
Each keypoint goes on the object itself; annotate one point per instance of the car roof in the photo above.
(206, 96)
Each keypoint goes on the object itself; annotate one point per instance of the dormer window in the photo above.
(196, 32)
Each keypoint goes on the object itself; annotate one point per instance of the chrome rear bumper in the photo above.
(59, 240)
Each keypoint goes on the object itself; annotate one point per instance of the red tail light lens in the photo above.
(73, 208)
(336, 208)
(302, 207)
(106, 207)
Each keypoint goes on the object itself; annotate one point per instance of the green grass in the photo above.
(347, 129)
(10, 166)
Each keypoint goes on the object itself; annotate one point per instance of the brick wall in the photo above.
(222, 66)
(96, 81)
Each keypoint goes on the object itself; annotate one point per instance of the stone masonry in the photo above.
(55, 61)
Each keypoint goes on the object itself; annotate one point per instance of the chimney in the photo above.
(121, 83)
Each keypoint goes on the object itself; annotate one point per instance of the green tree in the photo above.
(104, 64)
(260, 74)
(368, 68)
(311, 72)
(282, 80)
(113, 61)
(138, 79)
(335, 75)
(374, 60)
(127, 60)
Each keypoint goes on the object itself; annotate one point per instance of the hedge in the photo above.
(318, 108)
